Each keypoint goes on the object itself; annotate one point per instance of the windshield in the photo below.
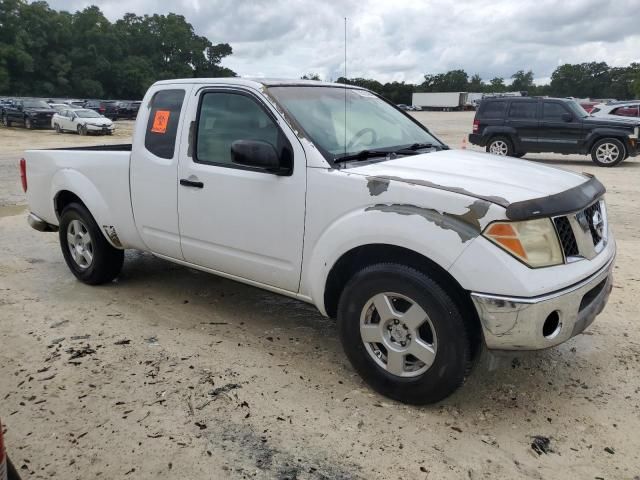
(577, 109)
(36, 104)
(371, 123)
(87, 114)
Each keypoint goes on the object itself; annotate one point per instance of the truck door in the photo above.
(241, 221)
(560, 130)
(523, 118)
(154, 169)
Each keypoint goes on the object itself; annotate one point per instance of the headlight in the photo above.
(534, 242)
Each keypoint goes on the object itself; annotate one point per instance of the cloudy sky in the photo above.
(403, 39)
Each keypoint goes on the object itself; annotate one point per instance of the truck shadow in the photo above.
(505, 381)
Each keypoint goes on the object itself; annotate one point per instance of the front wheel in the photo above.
(28, 123)
(87, 253)
(403, 334)
(608, 152)
(58, 129)
(500, 146)
(82, 130)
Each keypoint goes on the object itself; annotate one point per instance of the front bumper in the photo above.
(516, 323)
(100, 128)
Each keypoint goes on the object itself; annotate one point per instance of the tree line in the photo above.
(44, 52)
(583, 80)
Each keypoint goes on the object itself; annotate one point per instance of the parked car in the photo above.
(76, 103)
(58, 107)
(7, 470)
(82, 121)
(617, 110)
(403, 106)
(516, 126)
(30, 113)
(588, 106)
(108, 108)
(128, 109)
(421, 252)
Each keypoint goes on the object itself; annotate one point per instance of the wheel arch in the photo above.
(362, 256)
(603, 134)
(70, 186)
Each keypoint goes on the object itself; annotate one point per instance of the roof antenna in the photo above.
(345, 86)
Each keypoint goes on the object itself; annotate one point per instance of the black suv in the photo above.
(29, 112)
(515, 126)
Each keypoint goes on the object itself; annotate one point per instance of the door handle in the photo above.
(191, 183)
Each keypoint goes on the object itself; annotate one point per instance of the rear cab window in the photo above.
(162, 126)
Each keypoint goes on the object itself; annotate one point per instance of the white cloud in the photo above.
(404, 39)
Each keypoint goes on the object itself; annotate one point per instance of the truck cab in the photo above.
(331, 195)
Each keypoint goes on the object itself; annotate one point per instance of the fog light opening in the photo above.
(552, 325)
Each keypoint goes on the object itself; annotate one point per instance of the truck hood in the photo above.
(500, 180)
(39, 110)
(618, 122)
(96, 121)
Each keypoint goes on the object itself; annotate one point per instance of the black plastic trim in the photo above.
(572, 200)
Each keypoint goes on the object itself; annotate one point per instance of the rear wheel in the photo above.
(608, 152)
(403, 334)
(82, 130)
(87, 253)
(500, 146)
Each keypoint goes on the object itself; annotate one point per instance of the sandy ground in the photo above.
(173, 373)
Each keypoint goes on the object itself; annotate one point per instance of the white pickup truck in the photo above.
(331, 195)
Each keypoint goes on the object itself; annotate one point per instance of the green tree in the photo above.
(310, 76)
(522, 81)
(476, 84)
(496, 85)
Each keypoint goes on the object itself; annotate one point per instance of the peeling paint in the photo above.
(466, 225)
(377, 186)
(503, 202)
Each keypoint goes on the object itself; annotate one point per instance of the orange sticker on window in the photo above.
(160, 121)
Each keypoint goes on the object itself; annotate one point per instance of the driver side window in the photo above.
(225, 117)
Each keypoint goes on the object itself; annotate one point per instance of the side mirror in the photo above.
(567, 117)
(257, 154)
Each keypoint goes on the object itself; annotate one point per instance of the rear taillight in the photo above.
(476, 126)
(23, 174)
(101, 109)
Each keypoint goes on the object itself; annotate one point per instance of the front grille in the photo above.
(567, 238)
(594, 219)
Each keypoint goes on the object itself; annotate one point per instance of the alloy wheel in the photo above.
(398, 334)
(80, 244)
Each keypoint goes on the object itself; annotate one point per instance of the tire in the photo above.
(58, 129)
(442, 339)
(500, 146)
(28, 124)
(5, 121)
(81, 130)
(608, 152)
(87, 253)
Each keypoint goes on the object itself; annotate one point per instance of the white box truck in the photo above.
(440, 100)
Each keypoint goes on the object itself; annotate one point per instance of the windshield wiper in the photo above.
(417, 146)
(363, 155)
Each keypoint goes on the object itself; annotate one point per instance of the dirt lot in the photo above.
(172, 373)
